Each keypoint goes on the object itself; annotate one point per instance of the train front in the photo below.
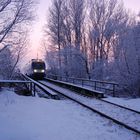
(38, 69)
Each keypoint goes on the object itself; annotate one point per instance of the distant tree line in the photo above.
(15, 18)
(94, 39)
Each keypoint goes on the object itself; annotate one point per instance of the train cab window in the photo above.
(38, 65)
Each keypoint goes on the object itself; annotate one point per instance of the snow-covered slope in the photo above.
(131, 103)
(33, 118)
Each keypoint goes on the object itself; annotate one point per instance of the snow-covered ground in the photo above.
(127, 102)
(125, 116)
(34, 118)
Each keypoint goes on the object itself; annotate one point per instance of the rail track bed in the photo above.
(123, 116)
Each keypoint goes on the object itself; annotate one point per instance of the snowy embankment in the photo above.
(130, 103)
(125, 116)
(33, 118)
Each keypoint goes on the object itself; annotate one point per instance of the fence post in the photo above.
(95, 85)
(82, 83)
(34, 89)
(113, 90)
(31, 87)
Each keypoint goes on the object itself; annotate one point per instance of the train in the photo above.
(37, 69)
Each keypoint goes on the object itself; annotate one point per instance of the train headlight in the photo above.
(42, 71)
(35, 70)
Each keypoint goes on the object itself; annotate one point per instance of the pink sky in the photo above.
(134, 5)
(42, 12)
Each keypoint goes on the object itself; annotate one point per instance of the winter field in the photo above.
(34, 118)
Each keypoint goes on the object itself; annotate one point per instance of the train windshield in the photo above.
(38, 65)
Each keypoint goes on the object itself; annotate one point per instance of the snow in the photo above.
(34, 118)
(127, 102)
(130, 118)
(14, 81)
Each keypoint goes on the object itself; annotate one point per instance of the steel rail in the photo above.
(135, 111)
(95, 111)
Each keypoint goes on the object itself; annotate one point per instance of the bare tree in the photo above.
(14, 14)
(108, 19)
(15, 18)
(19, 51)
(65, 30)
(6, 62)
(77, 16)
(127, 60)
(54, 27)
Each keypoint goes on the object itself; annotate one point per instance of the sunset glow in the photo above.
(42, 13)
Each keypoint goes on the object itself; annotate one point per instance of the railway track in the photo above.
(121, 115)
(135, 111)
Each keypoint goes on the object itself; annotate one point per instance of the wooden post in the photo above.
(34, 89)
(82, 83)
(113, 90)
(31, 88)
(95, 85)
